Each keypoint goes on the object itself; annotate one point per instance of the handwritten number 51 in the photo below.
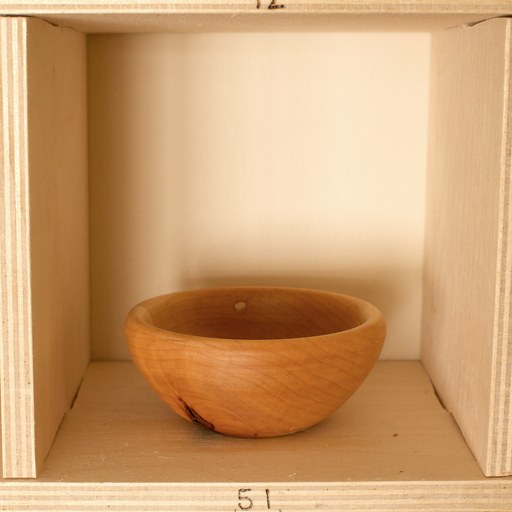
(246, 503)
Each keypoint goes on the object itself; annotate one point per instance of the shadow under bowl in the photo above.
(255, 361)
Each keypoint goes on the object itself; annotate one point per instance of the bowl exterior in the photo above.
(254, 388)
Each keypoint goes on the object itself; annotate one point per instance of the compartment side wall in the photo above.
(57, 122)
(45, 303)
(462, 278)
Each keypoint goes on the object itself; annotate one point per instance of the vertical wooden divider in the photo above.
(44, 242)
(466, 345)
(17, 355)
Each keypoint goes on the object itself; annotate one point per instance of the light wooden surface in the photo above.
(466, 344)
(124, 450)
(255, 361)
(45, 243)
(485, 55)
(231, 19)
(148, 15)
(490, 496)
(16, 363)
(254, 149)
(393, 428)
(359, 6)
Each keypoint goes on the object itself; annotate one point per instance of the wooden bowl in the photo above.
(255, 361)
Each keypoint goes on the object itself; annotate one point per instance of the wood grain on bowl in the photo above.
(255, 361)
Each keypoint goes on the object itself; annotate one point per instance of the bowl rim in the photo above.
(136, 315)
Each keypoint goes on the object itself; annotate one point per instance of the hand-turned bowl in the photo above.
(255, 361)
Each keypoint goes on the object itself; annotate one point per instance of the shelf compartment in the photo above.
(43, 74)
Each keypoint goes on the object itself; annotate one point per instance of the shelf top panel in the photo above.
(349, 6)
(111, 16)
(392, 429)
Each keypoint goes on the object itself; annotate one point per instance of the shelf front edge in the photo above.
(490, 495)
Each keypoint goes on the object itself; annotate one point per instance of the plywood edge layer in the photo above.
(492, 495)
(350, 6)
(16, 368)
(500, 431)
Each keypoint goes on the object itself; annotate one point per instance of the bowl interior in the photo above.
(248, 313)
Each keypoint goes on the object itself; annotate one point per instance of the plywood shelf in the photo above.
(393, 428)
(109, 16)
(392, 445)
